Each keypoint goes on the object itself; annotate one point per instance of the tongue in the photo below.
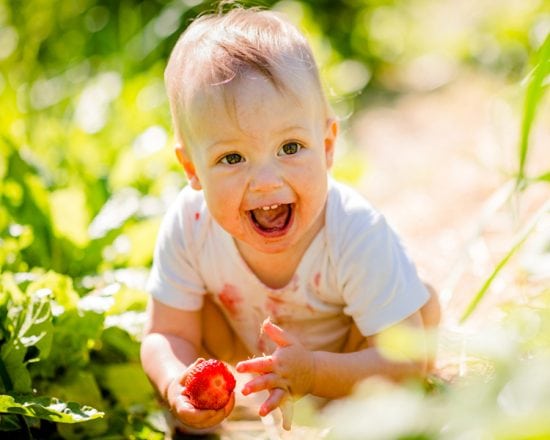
(271, 219)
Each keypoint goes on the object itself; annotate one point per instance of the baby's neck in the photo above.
(274, 270)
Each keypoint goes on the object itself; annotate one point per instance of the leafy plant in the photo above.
(56, 343)
(537, 83)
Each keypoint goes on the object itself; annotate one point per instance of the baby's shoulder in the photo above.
(352, 224)
(188, 215)
(348, 208)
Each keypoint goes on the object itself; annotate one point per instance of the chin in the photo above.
(274, 248)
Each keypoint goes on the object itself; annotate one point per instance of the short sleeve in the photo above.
(174, 279)
(379, 282)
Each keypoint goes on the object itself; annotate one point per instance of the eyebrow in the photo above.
(291, 128)
(221, 143)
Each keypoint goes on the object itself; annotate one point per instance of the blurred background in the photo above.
(445, 128)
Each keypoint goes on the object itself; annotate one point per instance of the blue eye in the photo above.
(289, 149)
(232, 159)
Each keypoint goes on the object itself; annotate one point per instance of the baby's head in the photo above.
(253, 128)
(218, 50)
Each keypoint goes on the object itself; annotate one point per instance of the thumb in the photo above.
(277, 334)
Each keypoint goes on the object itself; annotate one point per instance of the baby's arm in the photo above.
(171, 344)
(294, 371)
(337, 373)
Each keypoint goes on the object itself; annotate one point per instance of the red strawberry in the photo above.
(209, 384)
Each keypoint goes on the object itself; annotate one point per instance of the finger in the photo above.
(277, 334)
(197, 418)
(287, 411)
(185, 410)
(263, 382)
(229, 405)
(186, 372)
(263, 364)
(275, 398)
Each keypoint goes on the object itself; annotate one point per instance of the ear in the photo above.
(185, 160)
(331, 133)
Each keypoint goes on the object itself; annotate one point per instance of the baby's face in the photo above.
(261, 155)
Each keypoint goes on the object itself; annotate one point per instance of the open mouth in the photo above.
(272, 220)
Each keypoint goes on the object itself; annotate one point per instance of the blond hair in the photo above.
(218, 48)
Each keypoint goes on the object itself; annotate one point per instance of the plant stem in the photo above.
(522, 237)
(8, 386)
(533, 96)
(5, 377)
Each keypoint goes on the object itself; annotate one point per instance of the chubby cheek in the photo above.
(223, 207)
(312, 180)
(313, 198)
(314, 202)
(226, 211)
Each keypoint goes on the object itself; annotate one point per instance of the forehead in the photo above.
(246, 103)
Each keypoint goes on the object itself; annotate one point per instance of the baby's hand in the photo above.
(189, 415)
(288, 372)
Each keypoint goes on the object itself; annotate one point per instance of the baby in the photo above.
(262, 231)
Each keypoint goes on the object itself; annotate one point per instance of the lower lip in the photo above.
(273, 234)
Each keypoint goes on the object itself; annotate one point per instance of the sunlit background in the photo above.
(435, 98)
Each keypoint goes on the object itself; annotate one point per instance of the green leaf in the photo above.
(60, 286)
(518, 243)
(10, 422)
(117, 345)
(80, 386)
(127, 298)
(10, 292)
(142, 245)
(75, 333)
(47, 408)
(30, 328)
(70, 215)
(544, 177)
(127, 383)
(533, 96)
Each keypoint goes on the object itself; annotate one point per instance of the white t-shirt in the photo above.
(354, 269)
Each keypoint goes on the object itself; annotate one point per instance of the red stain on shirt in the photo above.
(197, 216)
(295, 283)
(272, 305)
(317, 279)
(230, 299)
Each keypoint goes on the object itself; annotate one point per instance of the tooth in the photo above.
(266, 208)
(274, 206)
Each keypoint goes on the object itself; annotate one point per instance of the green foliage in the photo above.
(537, 83)
(59, 348)
(504, 395)
(47, 408)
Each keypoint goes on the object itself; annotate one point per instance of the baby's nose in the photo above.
(266, 177)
